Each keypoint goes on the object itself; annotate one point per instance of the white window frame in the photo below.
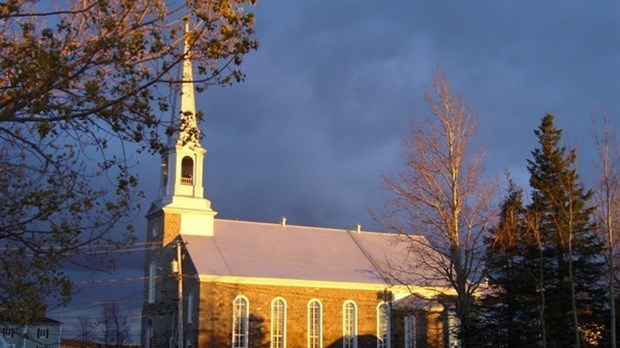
(8, 331)
(383, 325)
(240, 322)
(315, 324)
(349, 324)
(410, 331)
(43, 332)
(454, 326)
(278, 322)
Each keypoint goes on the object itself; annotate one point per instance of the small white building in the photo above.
(43, 333)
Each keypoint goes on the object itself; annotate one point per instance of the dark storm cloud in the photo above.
(335, 84)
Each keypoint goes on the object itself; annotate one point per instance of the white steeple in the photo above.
(185, 114)
(182, 190)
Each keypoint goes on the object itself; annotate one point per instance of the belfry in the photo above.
(182, 189)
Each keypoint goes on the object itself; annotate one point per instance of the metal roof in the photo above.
(262, 250)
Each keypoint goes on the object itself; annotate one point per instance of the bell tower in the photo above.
(180, 209)
(182, 190)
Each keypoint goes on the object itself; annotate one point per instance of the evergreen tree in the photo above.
(573, 262)
(510, 305)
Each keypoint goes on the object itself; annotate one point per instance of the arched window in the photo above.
(152, 276)
(240, 322)
(278, 323)
(164, 171)
(148, 336)
(187, 171)
(349, 325)
(383, 325)
(453, 329)
(410, 332)
(190, 308)
(315, 324)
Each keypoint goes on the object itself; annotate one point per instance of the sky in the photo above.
(336, 84)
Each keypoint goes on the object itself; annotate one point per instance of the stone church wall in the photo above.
(215, 316)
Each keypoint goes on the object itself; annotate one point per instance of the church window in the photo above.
(278, 323)
(383, 325)
(149, 334)
(349, 325)
(152, 272)
(164, 171)
(453, 329)
(410, 332)
(240, 322)
(187, 171)
(315, 324)
(190, 308)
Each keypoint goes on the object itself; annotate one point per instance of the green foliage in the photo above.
(546, 255)
(78, 85)
(562, 205)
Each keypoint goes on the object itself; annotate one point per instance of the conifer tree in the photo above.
(573, 262)
(510, 305)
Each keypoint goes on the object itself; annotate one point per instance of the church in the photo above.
(212, 282)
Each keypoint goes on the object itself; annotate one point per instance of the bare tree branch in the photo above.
(442, 196)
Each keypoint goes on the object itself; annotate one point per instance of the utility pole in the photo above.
(177, 268)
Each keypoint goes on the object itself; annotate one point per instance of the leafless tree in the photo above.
(115, 329)
(87, 331)
(567, 239)
(608, 202)
(443, 196)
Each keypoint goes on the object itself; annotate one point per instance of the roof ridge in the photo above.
(276, 224)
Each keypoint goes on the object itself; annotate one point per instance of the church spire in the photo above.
(182, 190)
(185, 115)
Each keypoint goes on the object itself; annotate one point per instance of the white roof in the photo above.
(261, 250)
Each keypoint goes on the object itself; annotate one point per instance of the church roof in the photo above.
(262, 250)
